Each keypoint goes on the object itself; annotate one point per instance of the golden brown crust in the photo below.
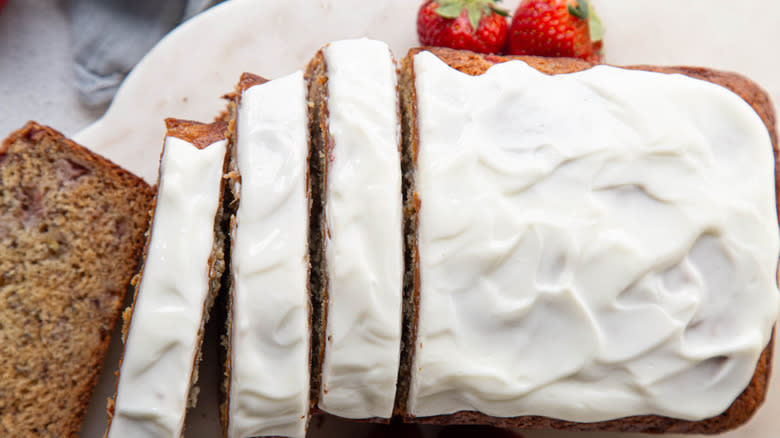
(751, 398)
(72, 231)
(198, 134)
(246, 81)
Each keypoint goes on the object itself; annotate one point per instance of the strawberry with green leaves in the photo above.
(556, 28)
(476, 25)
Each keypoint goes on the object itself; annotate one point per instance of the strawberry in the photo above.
(556, 28)
(452, 23)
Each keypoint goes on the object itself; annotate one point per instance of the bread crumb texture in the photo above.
(71, 230)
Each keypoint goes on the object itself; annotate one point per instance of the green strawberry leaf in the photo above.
(581, 10)
(475, 14)
(492, 6)
(450, 9)
(594, 25)
(475, 10)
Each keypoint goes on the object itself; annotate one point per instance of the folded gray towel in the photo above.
(110, 36)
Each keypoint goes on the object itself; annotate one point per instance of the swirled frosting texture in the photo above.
(156, 371)
(364, 251)
(269, 388)
(592, 245)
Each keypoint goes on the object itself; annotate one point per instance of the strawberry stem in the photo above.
(581, 10)
(499, 11)
(450, 9)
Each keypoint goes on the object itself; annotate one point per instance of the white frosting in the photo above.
(269, 388)
(156, 371)
(365, 251)
(592, 245)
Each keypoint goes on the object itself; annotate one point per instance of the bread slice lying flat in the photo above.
(71, 234)
(182, 273)
(421, 352)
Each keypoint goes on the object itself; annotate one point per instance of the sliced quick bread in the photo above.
(71, 235)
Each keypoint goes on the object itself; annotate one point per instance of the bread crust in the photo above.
(743, 408)
(198, 134)
(115, 193)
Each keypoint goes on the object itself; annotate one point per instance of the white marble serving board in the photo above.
(187, 72)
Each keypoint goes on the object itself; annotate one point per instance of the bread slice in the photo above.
(359, 259)
(71, 235)
(473, 64)
(268, 347)
(183, 265)
(317, 77)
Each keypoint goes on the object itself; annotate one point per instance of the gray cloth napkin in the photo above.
(110, 36)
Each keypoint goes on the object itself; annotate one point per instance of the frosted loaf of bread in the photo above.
(591, 245)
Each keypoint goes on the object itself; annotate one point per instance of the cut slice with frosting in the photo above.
(269, 323)
(181, 275)
(360, 260)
